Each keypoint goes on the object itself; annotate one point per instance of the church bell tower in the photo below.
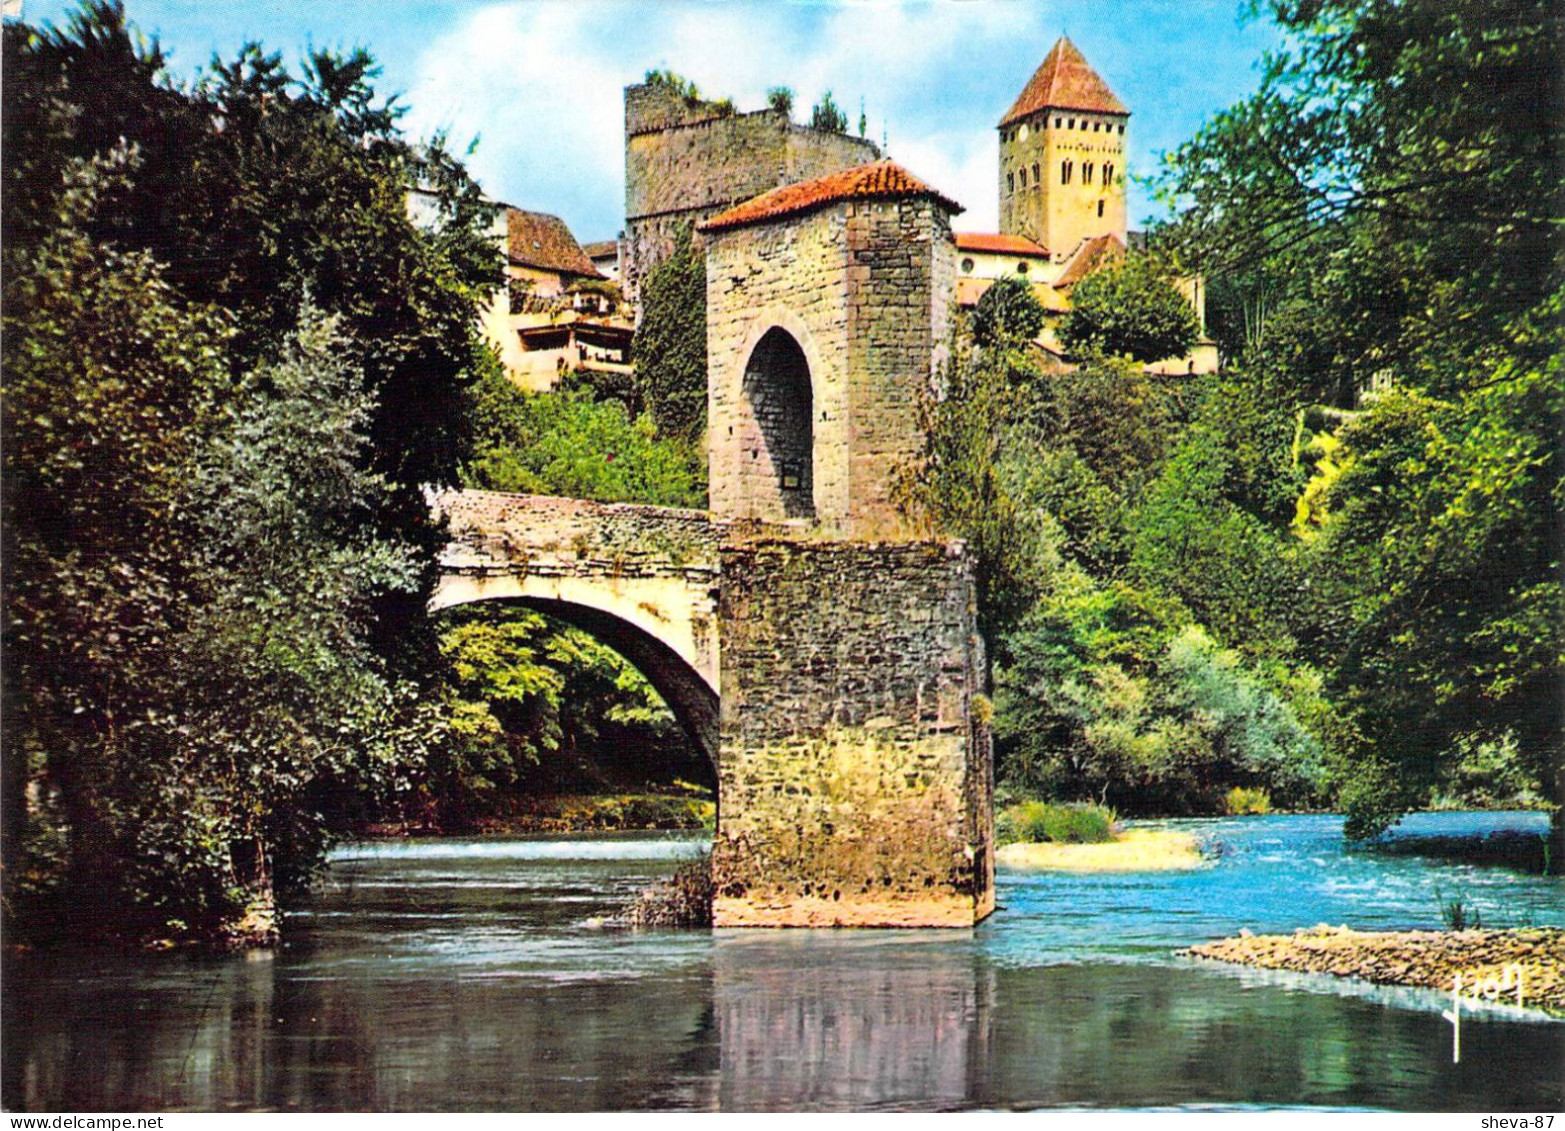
(1062, 156)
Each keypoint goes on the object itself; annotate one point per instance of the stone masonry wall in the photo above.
(492, 529)
(685, 162)
(855, 787)
(792, 275)
(901, 280)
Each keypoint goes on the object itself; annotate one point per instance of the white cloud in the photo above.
(542, 84)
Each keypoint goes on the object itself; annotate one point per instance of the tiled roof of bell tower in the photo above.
(1065, 81)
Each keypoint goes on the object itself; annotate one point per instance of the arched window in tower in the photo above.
(1010, 182)
(1037, 175)
(1065, 172)
(1096, 126)
(777, 461)
(1108, 174)
(1023, 177)
(1100, 209)
(1072, 124)
(1086, 173)
(1057, 122)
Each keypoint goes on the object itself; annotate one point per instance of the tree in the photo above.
(284, 701)
(217, 544)
(826, 115)
(978, 444)
(110, 387)
(1112, 695)
(670, 343)
(1130, 309)
(1391, 194)
(564, 442)
(255, 188)
(780, 98)
(1007, 312)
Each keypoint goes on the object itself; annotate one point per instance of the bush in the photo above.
(1241, 802)
(1040, 822)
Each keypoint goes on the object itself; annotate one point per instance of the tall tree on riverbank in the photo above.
(232, 362)
(1394, 187)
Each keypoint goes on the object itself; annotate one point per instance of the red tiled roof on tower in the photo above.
(1065, 81)
(881, 181)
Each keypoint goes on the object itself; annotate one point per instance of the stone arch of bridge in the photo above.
(780, 449)
(691, 696)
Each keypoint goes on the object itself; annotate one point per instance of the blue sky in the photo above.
(539, 82)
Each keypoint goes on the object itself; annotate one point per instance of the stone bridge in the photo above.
(641, 579)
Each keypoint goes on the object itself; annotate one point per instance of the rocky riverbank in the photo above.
(1431, 959)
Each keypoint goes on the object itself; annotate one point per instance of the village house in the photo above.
(605, 257)
(558, 312)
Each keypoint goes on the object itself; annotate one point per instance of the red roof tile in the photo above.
(998, 243)
(1097, 252)
(881, 181)
(537, 239)
(1065, 81)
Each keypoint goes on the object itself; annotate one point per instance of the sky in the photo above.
(536, 86)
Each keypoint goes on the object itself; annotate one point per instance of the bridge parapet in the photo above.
(550, 536)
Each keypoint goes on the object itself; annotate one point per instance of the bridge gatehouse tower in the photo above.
(855, 775)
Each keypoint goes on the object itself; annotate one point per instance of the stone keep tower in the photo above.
(855, 779)
(687, 160)
(1062, 156)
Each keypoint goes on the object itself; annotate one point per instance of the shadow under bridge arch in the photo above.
(643, 580)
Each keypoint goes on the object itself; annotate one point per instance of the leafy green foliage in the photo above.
(187, 599)
(536, 697)
(827, 115)
(1007, 313)
(566, 443)
(1385, 211)
(970, 474)
(1441, 547)
(232, 362)
(686, 89)
(1131, 309)
(670, 343)
(1241, 802)
(109, 385)
(1107, 697)
(1040, 822)
(780, 98)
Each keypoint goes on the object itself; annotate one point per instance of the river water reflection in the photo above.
(459, 975)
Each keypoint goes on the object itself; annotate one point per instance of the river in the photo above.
(459, 975)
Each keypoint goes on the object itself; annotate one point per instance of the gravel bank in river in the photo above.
(1430, 959)
(1135, 850)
